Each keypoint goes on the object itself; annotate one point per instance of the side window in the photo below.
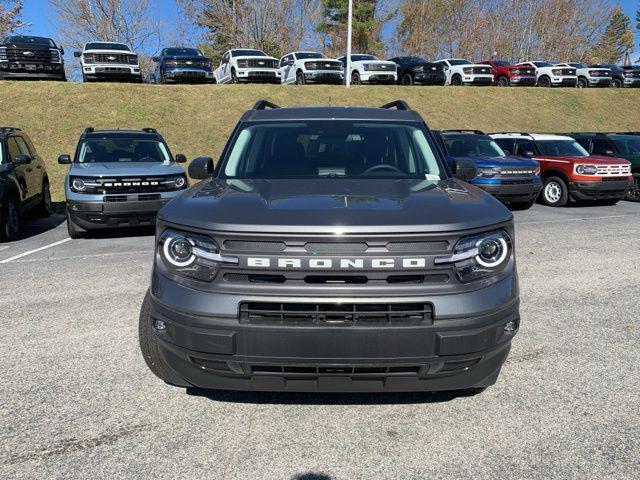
(12, 147)
(505, 144)
(584, 142)
(523, 146)
(31, 149)
(601, 146)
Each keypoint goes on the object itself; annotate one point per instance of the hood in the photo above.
(125, 169)
(185, 56)
(254, 57)
(109, 52)
(516, 162)
(596, 160)
(27, 45)
(329, 205)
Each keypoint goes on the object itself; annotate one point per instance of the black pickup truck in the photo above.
(331, 249)
(31, 58)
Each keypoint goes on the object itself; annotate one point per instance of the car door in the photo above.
(506, 144)
(13, 150)
(39, 167)
(289, 73)
(225, 68)
(602, 146)
(32, 170)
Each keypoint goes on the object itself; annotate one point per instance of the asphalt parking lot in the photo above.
(77, 400)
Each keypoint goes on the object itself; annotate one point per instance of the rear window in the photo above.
(561, 148)
(628, 145)
(329, 149)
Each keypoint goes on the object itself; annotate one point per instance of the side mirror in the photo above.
(528, 154)
(77, 54)
(22, 160)
(180, 158)
(201, 168)
(464, 169)
(155, 59)
(64, 159)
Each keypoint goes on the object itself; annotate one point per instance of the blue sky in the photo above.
(41, 16)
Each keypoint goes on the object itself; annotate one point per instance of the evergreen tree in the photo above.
(616, 40)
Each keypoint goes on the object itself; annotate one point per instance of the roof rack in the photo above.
(264, 104)
(627, 133)
(399, 104)
(463, 130)
(509, 133)
(10, 129)
(150, 130)
(89, 130)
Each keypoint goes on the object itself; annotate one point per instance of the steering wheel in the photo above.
(383, 166)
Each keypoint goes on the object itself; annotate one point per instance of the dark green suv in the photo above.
(621, 145)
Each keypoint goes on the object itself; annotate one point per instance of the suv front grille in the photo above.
(481, 70)
(336, 313)
(107, 186)
(262, 63)
(111, 58)
(380, 67)
(18, 55)
(324, 65)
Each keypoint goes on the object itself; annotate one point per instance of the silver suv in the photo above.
(120, 178)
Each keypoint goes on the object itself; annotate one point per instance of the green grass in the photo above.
(196, 120)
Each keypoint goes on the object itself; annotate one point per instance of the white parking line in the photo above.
(30, 252)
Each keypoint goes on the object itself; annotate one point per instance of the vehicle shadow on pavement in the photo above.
(289, 398)
(33, 225)
(311, 476)
(128, 232)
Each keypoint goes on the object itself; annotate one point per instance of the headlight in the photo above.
(243, 63)
(467, 71)
(78, 185)
(480, 256)
(586, 169)
(366, 66)
(191, 255)
(180, 182)
(487, 172)
(556, 72)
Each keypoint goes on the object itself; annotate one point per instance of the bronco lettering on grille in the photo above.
(341, 264)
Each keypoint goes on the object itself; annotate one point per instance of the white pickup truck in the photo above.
(247, 65)
(550, 75)
(370, 69)
(101, 61)
(459, 71)
(590, 75)
(310, 67)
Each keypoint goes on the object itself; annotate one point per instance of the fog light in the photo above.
(511, 327)
(159, 326)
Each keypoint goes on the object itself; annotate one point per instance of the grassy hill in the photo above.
(196, 120)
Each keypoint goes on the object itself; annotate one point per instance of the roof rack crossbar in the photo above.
(89, 130)
(508, 133)
(150, 130)
(399, 104)
(463, 130)
(264, 104)
(10, 129)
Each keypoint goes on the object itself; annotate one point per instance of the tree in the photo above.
(10, 13)
(125, 21)
(275, 26)
(616, 40)
(369, 16)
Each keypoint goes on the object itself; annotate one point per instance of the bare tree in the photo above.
(10, 13)
(126, 21)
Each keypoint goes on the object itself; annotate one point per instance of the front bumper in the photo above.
(378, 77)
(478, 80)
(112, 72)
(564, 81)
(93, 212)
(511, 191)
(188, 75)
(328, 76)
(600, 82)
(632, 82)
(259, 75)
(207, 346)
(609, 189)
(54, 71)
(523, 81)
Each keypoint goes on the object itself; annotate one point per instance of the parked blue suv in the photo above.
(512, 180)
(186, 65)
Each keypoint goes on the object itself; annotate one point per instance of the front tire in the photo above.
(633, 195)
(73, 230)
(582, 82)
(407, 80)
(456, 81)
(616, 83)
(300, 78)
(10, 219)
(555, 192)
(503, 82)
(355, 78)
(544, 82)
(149, 347)
(234, 77)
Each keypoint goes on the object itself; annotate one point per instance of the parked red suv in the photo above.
(567, 170)
(505, 74)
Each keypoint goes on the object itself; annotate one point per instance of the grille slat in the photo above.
(336, 313)
(111, 58)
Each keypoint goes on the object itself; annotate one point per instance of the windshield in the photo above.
(107, 46)
(561, 148)
(413, 60)
(183, 51)
(502, 63)
(306, 55)
(329, 149)
(248, 53)
(542, 64)
(123, 150)
(360, 58)
(472, 146)
(21, 39)
(459, 62)
(577, 65)
(628, 145)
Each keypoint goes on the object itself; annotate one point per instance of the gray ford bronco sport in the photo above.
(331, 249)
